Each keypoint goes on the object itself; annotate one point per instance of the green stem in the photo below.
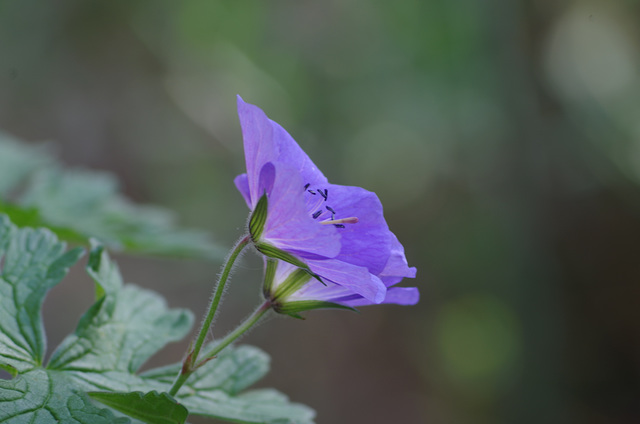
(192, 356)
(239, 331)
(179, 381)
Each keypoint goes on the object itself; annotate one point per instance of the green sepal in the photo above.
(258, 218)
(275, 253)
(291, 284)
(293, 308)
(269, 275)
(296, 316)
(150, 408)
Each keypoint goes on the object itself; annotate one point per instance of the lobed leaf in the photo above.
(34, 262)
(120, 331)
(77, 205)
(88, 203)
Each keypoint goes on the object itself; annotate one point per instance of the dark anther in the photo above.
(330, 209)
(317, 214)
(338, 225)
(306, 186)
(324, 194)
(312, 192)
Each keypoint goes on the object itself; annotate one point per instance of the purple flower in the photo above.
(334, 233)
(292, 290)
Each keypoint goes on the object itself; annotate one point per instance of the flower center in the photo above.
(319, 209)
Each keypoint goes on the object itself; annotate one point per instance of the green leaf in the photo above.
(123, 328)
(118, 321)
(151, 408)
(34, 262)
(256, 406)
(88, 203)
(77, 205)
(42, 397)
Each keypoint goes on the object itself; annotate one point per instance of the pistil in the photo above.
(350, 220)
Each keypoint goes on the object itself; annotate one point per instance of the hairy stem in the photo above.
(239, 331)
(192, 356)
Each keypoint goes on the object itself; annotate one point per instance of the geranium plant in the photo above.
(323, 246)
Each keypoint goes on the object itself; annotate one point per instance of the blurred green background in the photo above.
(502, 136)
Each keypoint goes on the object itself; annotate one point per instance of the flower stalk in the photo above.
(239, 331)
(188, 365)
(186, 372)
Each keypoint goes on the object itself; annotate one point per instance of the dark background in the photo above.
(502, 136)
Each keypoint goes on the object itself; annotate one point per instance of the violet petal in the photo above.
(367, 242)
(352, 277)
(259, 144)
(242, 184)
(397, 267)
(395, 295)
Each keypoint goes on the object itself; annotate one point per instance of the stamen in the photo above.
(338, 223)
(350, 220)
